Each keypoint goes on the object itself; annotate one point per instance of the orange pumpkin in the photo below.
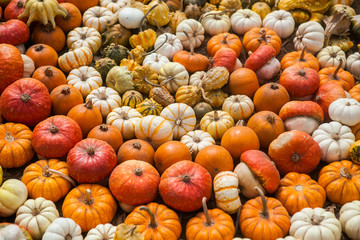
(50, 76)
(155, 222)
(302, 58)
(338, 76)
(257, 37)
(86, 115)
(355, 92)
(48, 179)
(72, 19)
(297, 191)
(243, 81)
(15, 145)
(264, 218)
(212, 224)
(169, 153)
(267, 126)
(136, 149)
(107, 133)
(42, 55)
(64, 98)
(356, 131)
(54, 37)
(223, 40)
(89, 205)
(215, 159)
(271, 97)
(341, 181)
(84, 5)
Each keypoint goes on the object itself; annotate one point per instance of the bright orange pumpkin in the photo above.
(223, 40)
(257, 37)
(50, 76)
(136, 149)
(107, 133)
(64, 98)
(271, 97)
(338, 76)
(302, 58)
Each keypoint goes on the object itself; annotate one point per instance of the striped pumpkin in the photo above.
(227, 192)
(85, 79)
(238, 106)
(132, 98)
(84, 37)
(154, 129)
(355, 152)
(125, 119)
(216, 123)
(114, 5)
(149, 107)
(197, 140)
(105, 99)
(146, 39)
(76, 58)
(97, 17)
(181, 117)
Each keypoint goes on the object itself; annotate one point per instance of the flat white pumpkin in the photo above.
(85, 79)
(281, 22)
(310, 34)
(156, 61)
(105, 99)
(243, 20)
(350, 219)
(102, 231)
(84, 36)
(172, 45)
(238, 106)
(353, 64)
(345, 110)
(125, 119)
(330, 57)
(196, 141)
(195, 31)
(63, 229)
(215, 22)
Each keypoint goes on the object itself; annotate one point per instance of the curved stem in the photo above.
(206, 212)
(88, 198)
(89, 104)
(203, 95)
(130, 54)
(48, 72)
(224, 39)
(301, 59)
(148, 53)
(270, 118)
(190, 43)
(152, 223)
(159, 85)
(265, 211)
(338, 69)
(144, 17)
(158, 27)
(344, 172)
(47, 170)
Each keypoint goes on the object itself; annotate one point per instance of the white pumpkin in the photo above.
(156, 61)
(29, 66)
(12, 232)
(63, 229)
(114, 5)
(102, 231)
(227, 192)
(268, 71)
(105, 99)
(345, 110)
(130, 18)
(36, 216)
(125, 119)
(154, 129)
(196, 141)
(238, 106)
(281, 22)
(84, 36)
(97, 17)
(353, 64)
(196, 78)
(334, 140)
(317, 223)
(195, 31)
(215, 22)
(13, 193)
(350, 219)
(85, 79)
(310, 34)
(181, 117)
(76, 58)
(330, 57)
(171, 46)
(174, 75)
(243, 20)
(287, 238)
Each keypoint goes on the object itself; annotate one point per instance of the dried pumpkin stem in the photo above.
(301, 59)
(159, 85)
(152, 223)
(54, 129)
(88, 198)
(344, 172)
(316, 219)
(216, 115)
(203, 95)
(209, 222)
(270, 118)
(137, 145)
(337, 69)
(47, 170)
(104, 127)
(65, 91)
(48, 72)
(89, 104)
(158, 27)
(144, 17)
(224, 41)
(190, 43)
(8, 137)
(148, 53)
(25, 97)
(265, 211)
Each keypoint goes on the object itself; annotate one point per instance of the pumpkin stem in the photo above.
(190, 43)
(337, 69)
(240, 123)
(295, 157)
(88, 198)
(137, 145)
(298, 188)
(263, 35)
(47, 172)
(216, 116)
(203, 95)
(48, 72)
(54, 129)
(130, 55)
(152, 223)
(265, 211)
(65, 91)
(144, 17)
(316, 219)
(186, 178)
(48, 27)
(335, 137)
(301, 59)
(124, 115)
(39, 47)
(302, 72)
(20, 4)
(270, 118)
(90, 151)
(209, 222)
(102, 95)
(25, 97)
(274, 86)
(104, 127)
(196, 139)
(224, 39)
(148, 53)
(161, 84)
(138, 172)
(158, 27)
(89, 104)
(9, 137)
(344, 172)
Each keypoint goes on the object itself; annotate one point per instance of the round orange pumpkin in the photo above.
(64, 98)
(83, 5)
(50, 76)
(42, 55)
(302, 58)
(136, 149)
(53, 37)
(271, 97)
(107, 133)
(338, 76)
(257, 37)
(72, 18)
(243, 81)
(222, 40)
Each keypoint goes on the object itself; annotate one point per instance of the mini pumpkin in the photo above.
(149, 107)
(216, 123)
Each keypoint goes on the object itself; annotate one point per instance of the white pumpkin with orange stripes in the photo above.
(75, 58)
(105, 99)
(216, 123)
(85, 79)
(114, 5)
(226, 191)
(98, 18)
(125, 119)
(238, 106)
(84, 36)
(154, 129)
(197, 140)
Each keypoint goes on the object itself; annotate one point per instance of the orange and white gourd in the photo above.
(82, 56)
(177, 73)
(156, 61)
(197, 140)
(125, 119)
(114, 5)
(98, 18)
(243, 20)
(84, 37)
(154, 129)
(181, 117)
(345, 110)
(216, 123)
(85, 79)
(227, 192)
(105, 99)
(195, 31)
(238, 106)
(171, 46)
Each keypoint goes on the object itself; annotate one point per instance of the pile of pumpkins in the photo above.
(147, 106)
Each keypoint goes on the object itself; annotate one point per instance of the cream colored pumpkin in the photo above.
(175, 75)
(227, 192)
(63, 229)
(12, 232)
(125, 119)
(216, 123)
(215, 22)
(330, 57)
(130, 18)
(345, 110)
(353, 64)
(13, 193)
(154, 129)
(97, 17)
(36, 216)
(238, 106)
(105, 99)
(195, 31)
(334, 140)
(243, 20)
(197, 140)
(310, 34)
(171, 46)
(181, 117)
(317, 223)
(102, 231)
(85, 79)
(84, 37)
(287, 238)
(281, 22)
(114, 5)
(75, 58)
(156, 61)
(350, 218)
(29, 66)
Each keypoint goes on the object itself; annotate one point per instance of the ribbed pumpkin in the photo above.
(222, 40)
(107, 133)
(149, 107)
(338, 76)
(301, 58)
(132, 98)
(216, 123)
(257, 37)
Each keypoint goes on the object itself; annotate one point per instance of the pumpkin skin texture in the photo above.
(91, 160)
(170, 153)
(271, 97)
(15, 145)
(11, 67)
(341, 181)
(46, 34)
(338, 76)
(155, 222)
(107, 133)
(301, 58)
(50, 76)
(298, 191)
(26, 101)
(184, 184)
(55, 136)
(134, 182)
(64, 98)
(136, 149)
(89, 205)
(243, 81)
